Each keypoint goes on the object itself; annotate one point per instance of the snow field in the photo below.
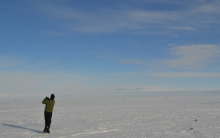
(156, 117)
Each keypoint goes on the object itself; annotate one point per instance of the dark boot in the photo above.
(44, 129)
(47, 130)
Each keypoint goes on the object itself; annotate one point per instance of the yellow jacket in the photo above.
(49, 104)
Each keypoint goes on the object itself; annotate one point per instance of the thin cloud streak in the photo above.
(6, 62)
(192, 56)
(129, 61)
(186, 75)
(54, 33)
(149, 88)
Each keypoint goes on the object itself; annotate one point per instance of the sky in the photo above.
(103, 48)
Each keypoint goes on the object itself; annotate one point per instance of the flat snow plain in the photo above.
(151, 117)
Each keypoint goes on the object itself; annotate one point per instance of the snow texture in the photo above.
(155, 117)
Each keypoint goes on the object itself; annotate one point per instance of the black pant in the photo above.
(47, 117)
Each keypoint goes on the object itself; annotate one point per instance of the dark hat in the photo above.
(52, 96)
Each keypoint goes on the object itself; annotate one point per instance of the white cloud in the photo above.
(193, 56)
(209, 8)
(149, 16)
(186, 75)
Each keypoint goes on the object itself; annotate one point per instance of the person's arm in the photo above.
(45, 100)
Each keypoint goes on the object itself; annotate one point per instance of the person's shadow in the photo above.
(20, 127)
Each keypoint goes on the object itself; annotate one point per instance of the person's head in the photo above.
(52, 96)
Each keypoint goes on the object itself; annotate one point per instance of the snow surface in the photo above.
(172, 117)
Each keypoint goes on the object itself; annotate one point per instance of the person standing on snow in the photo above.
(48, 112)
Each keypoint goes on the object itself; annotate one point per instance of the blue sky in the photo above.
(103, 48)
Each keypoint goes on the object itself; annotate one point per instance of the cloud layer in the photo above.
(188, 17)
